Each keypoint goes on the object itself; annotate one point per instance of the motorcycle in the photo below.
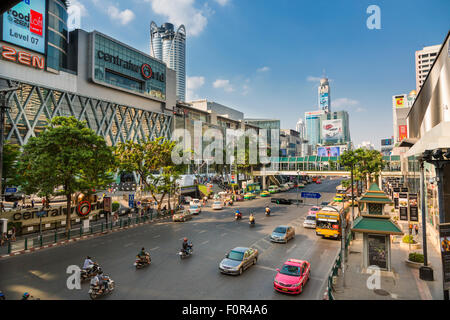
(87, 274)
(184, 254)
(94, 291)
(267, 212)
(237, 216)
(2, 296)
(252, 223)
(141, 263)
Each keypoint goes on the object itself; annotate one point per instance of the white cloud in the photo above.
(222, 2)
(344, 102)
(245, 90)
(263, 69)
(313, 79)
(192, 84)
(359, 109)
(182, 12)
(224, 84)
(124, 17)
(77, 5)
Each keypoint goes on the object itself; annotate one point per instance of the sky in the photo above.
(265, 58)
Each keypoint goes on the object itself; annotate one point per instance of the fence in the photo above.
(36, 240)
(333, 273)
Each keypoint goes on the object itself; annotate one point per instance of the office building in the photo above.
(312, 126)
(401, 106)
(169, 45)
(335, 128)
(424, 61)
(300, 128)
(290, 143)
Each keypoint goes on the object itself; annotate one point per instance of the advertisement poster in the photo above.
(395, 196)
(403, 206)
(329, 151)
(324, 104)
(413, 207)
(400, 101)
(377, 251)
(444, 236)
(402, 132)
(332, 129)
(24, 25)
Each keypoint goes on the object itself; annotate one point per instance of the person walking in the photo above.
(32, 203)
(416, 229)
(410, 228)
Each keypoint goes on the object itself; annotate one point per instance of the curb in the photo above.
(63, 242)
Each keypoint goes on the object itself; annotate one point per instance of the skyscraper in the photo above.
(169, 45)
(300, 128)
(424, 61)
(324, 95)
(312, 128)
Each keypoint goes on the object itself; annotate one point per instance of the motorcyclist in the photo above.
(26, 296)
(88, 265)
(252, 218)
(268, 211)
(104, 280)
(238, 214)
(186, 245)
(144, 256)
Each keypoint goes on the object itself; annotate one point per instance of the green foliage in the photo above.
(366, 164)
(408, 239)
(115, 206)
(67, 156)
(416, 257)
(11, 153)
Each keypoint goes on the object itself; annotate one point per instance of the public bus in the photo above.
(328, 220)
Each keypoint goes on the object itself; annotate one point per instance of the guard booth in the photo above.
(376, 228)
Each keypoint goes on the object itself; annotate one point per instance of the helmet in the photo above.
(185, 239)
(100, 271)
(26, 295)
(143, 249)
(88, 257)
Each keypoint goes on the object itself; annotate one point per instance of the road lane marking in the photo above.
(203, 231)
(224, 234)
(128, 245)
(155, 248)
(205, 242)
(291, 248)
(157, 236)
(265, 268)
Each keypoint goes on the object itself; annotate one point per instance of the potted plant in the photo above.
(408, 241)
(415, 260)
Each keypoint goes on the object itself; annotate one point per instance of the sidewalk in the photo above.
(401, 284)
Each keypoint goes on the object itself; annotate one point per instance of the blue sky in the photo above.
(265, 57)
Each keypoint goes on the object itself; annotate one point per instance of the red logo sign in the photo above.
(36, 22)
(84, 208)
(146, 71)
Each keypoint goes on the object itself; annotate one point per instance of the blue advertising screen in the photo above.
(329, 151)
(24, 25)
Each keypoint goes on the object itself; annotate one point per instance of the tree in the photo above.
(151, 160)
(67, 156)
(11, 153)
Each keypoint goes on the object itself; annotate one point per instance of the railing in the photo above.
(331, 276)
(52, 237)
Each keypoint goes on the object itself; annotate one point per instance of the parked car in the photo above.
(194, 209)
(338, 198)
(282, 234)
(310, 222)
(292, 276)
(265, 194)
(217, 205)
(249, 196)
(196, 202)
(238, 260)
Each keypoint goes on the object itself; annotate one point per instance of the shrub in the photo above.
(408, 239)
(115, 206)
(393, 209)
(416, 257)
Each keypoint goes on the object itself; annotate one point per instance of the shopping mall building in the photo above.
(122, 93)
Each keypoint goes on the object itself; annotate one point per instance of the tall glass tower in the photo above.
(324, 95)
(169, 45)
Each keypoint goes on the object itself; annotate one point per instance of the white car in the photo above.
(194, 209)
(310, 222)
(196, 202)
(217, 205)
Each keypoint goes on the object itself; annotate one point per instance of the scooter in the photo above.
(87, 274)
(267, 212)
(94, 291)
(141, 263)
(183, 254)
(238, 216)
(252, 223)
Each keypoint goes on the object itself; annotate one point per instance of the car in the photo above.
(292, 277)
(249, 196)
(274, 189)
(301, 185)
(318, 182)
(324, 203)
(265, 194)
(338, 198)
(310, 222)
(282, 234)
(196, 202)
(217, 205)
(182, 216)
(313, 211)
(194, 209)
(238, 260)
(281, 201)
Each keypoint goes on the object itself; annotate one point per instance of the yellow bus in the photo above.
(328, 220)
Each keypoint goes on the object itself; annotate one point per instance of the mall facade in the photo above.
(122, 93)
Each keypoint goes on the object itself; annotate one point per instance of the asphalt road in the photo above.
(213, 233)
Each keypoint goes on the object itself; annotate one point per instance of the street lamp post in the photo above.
(298, 173)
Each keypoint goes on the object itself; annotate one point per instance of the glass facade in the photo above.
(31, 106)
(57, 45)
(120, 66)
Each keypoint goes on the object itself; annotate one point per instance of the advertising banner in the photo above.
(24, 25)
(403, 206)
(332, 129)
(413, 207)
(402, 132)
(329, 151)
(395, 196)
(400, 101)
(324, 101)
(107, 204)
(444, 237)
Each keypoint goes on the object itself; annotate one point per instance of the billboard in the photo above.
(400, 101)
(24, 25)
(334, 151)
(387, 142)
(332, 129)
(324, 101)
(402, 132)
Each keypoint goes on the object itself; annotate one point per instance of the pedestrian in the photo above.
(32, 203)
(13, 233)
(410, 228)
(416, 229)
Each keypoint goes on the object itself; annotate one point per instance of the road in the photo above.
(43, 273)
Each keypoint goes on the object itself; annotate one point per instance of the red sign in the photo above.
(84, 208)
(22, 57)
(402, 132)
(146, 71)
(36, 22)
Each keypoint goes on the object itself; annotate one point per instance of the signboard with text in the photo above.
(403, 206)
(444, 239)
(413, 207)
(24, 25)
